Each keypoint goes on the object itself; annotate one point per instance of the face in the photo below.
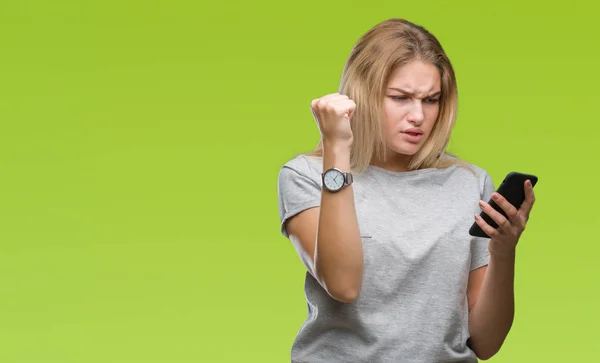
(411, 107)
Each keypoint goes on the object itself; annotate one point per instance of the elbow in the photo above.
(484, 354)
(343, 291)
(345, 295)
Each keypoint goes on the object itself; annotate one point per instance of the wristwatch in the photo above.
(334, 179)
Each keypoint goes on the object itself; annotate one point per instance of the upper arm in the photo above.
(479, 248)
(302, 232)
(299, 192)
(474, 285)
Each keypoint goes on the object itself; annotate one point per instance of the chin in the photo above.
(406, 149)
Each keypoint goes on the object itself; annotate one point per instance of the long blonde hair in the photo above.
(377, 54)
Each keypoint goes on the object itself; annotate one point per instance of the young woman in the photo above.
(379, 214)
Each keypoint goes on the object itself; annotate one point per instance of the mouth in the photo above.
(413, 137)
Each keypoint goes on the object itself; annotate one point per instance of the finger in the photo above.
(314, 103)
(527, 205)
(321, 100)
(334, 97)
(328, 100)
(489, 230)
(316, 118)
(347, 105)
(506, 206)
(339, 108)
(340, 101)
(496, 216)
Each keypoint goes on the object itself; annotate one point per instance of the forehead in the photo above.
(416, 76)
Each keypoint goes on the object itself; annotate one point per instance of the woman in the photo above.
(379, 214)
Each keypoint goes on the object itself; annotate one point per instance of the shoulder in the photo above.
(304, 165)
(470, 172)
(480, 174)
(483, 177)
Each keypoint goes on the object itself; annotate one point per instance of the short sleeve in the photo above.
(298, 188)
(480, 254)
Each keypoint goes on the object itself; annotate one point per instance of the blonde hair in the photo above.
(377, 54)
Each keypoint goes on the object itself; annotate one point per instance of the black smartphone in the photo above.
(512, 189)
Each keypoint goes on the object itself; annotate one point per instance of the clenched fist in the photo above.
(332, 114)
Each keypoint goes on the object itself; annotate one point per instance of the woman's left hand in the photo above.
(504, 239)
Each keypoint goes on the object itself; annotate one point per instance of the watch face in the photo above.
(333, 179)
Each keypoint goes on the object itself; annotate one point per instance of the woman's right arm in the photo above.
(328, 237)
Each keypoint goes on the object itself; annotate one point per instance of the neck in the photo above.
(393, 162)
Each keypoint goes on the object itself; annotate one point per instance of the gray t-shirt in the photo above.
(412, 306)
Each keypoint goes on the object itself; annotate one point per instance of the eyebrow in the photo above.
(412, 94)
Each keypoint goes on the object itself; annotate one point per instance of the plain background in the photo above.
(140, 144)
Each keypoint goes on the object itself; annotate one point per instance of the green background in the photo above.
(140, 144)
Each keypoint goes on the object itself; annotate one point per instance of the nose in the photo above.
(416, 115)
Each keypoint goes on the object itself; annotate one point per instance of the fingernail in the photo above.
(481, 203)
(495, 196)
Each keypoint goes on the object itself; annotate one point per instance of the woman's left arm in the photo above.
(491, 289)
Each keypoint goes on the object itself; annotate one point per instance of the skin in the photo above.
(335, 257)
(411, 101)
(491, 288)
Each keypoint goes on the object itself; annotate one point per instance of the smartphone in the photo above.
(513, 189)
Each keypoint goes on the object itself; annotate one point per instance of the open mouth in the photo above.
(413, 137)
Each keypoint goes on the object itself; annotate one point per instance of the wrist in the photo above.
(337, 145)
(336, 154)
(500, 252)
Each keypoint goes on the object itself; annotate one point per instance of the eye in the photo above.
(432, 100)
(398, 98)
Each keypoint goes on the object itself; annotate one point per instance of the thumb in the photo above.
(349, 114)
